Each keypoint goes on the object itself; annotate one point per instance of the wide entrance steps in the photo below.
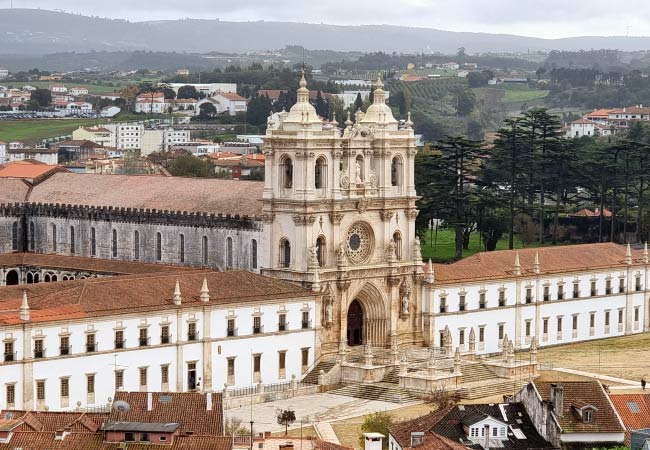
(312, 376)
(477, 372)
(481, 389)
(392, 376)
(386, 392)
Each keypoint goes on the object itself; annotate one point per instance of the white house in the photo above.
(152, 103)
(45, 155)
(58, 89)
(3, 152)
(230, 103)
(178, 330)
(207, 89)
(110, 111)
(78, 91)
(156, 140)
(4, 73)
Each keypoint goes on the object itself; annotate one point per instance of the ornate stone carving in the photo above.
(362, 205)
(417, 253)
(303, 219)
(268, 218)
(336, 218)
(393, 280)
(386, 215)
(390, 251)
(345, 181)
(411, 213)
(405, 296)
(360, 242)
(374, 181)
(357, 168)
(313, 257)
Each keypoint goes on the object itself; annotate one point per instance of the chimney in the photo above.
(24, 308)
(177, 293)
(208, 401)
(205, 292)
(486, 445)
(557, 398)
(149, 401)
(373, 441)
(517, 267)
(628, 255)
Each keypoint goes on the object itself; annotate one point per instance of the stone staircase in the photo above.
(386, 392)
(325, 366)
(392, 376)
(480, 381)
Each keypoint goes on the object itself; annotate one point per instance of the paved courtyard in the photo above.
(310, 409)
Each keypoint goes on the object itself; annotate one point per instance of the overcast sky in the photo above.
(540, 18)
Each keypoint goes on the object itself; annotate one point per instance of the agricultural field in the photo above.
(32, 131)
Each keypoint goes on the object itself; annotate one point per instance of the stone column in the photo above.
(207, 348)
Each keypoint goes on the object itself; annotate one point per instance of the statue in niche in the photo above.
(405, 295)
(358, 171)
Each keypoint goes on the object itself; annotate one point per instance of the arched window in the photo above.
(396, 171)
(204, 250)
(253, 254)
(320, 250)
(181, 248)
(14, 236)
(320, 173)
(285, 253)
(229, 252)
(32, 236)
(30, 278)
(53, 227)
(286, 173)
(158, 246)
(359, 176)
(93, 242)
(136, 245)
(72, 241)
(397, 239)
(114, 244)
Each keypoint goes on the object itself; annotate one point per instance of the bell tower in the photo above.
(339, 216)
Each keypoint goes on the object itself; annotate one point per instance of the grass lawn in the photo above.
(524, 96)
(443, 250)
(32, 131)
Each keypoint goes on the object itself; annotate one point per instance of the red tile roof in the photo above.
(578, 393)
(634, 410)
(12, 190)
(189, 409)
(28, 170)
(500, 264)
(95, 297)
(401, 432)
(230, 96)
(207, 195)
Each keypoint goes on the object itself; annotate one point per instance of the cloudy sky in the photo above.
(545, 18)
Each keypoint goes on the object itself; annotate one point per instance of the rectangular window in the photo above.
(65, 387)
(529, 298)
(90, 384)
(547, 293)
(461, 337)
(637, 283)
(606, 318)
(282, 322)
(461, 302)
(502, 298)
(527, 328)
(500, 331)
(143, 337)
(164, 374)
(144, 437)
(575, 322)
(119, 339)
(481, 334)
(143, 376)
(495, 432)
(545, 326)
(231, 330)
(39, 351)
(164, 334)
(231, 367)
(119, 379)
(305, 357)
(592, 320)
(11, 394)
(40, 390)
(636, 314)
(257, 363)
(560, 292)
(129, 437)
(306, 323)
(620, 316)
(191, 331)
(443, 305)
(594, 291)
(621, 285)
(576, 290)
(559, 324)
(282, 360)
(608, 287)
(64, 345)
(9, 351)
(91, 344)
(257, 325)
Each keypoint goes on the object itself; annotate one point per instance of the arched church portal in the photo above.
(367, 321)
(11, 278)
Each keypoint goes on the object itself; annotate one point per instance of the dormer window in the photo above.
(417, 438)
(588, 416)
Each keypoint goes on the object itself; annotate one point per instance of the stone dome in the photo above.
(379, 112)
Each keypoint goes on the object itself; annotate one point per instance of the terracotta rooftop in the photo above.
(12, 190)
(48, 421)
(587, 392)
(500, 264)
(189, 409)
(634, 410)
(46, 260)
(231, 96)
(28, 170)
(207, 195)
(96, 297)
(401, 432)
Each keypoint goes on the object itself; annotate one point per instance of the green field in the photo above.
(442, 249)
(92, 88)
(32, 131)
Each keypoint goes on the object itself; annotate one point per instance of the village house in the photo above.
(634, 411)
(77, 91)
(152, 103)
(97, 134)
(43, 155)
(229, 102)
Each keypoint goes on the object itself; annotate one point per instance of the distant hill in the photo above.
(38, 32)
